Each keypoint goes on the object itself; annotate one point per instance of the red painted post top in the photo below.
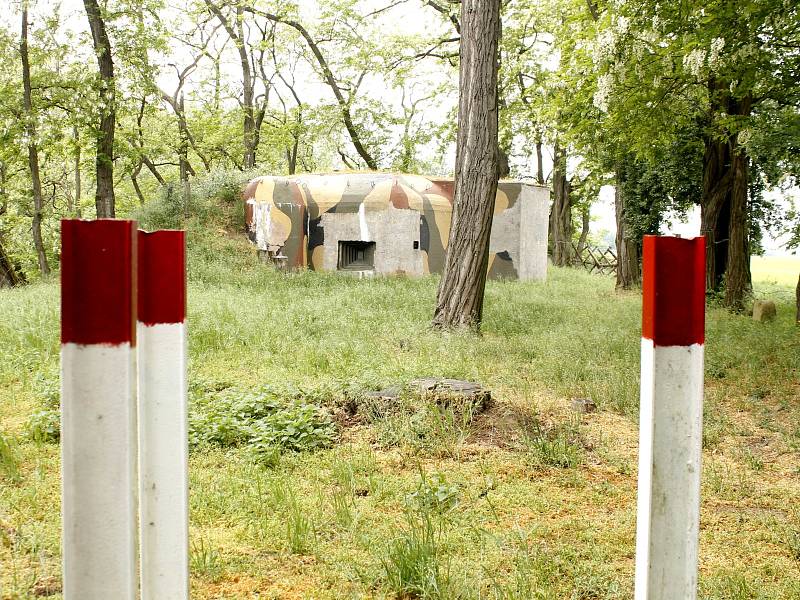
(162, 277)
(98, 282)
(674, 290)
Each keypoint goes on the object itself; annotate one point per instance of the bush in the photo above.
(299, 427)
(207, 194)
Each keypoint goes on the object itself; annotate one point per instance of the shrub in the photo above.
(263, 420)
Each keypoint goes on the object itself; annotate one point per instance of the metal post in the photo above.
(671, 418)
(98, 409)
(163, 442)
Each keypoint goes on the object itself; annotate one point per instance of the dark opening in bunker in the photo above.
(356, 256)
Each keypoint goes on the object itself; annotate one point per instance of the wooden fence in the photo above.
(594, 259)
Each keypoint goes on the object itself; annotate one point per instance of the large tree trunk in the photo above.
(33, 151)
(715, 209)
(561, 211)
(724, 208)
(459, 302)
(628, 253)
(738, 284)
(104, 164)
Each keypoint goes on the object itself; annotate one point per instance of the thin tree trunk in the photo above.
(539, 163)
(3, 190)
(183, 151)
(585, 222)
(104, 164)
(628, 253)
(561, 211)
(33, 151)
(77, 168)
(291, 155)
(344, 103)
(797, 301)
(135, 182)
(459, 302)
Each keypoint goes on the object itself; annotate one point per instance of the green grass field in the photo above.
(524, 500)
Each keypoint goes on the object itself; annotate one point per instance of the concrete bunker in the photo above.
(383, 223)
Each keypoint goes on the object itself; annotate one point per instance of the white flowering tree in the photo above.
(714, 71)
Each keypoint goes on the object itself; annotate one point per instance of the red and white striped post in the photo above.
(163, 441)
(98, 409)
(670, 418)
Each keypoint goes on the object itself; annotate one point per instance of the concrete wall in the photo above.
(393, 230)
(533, 231)
(517, 246)
(298, 222)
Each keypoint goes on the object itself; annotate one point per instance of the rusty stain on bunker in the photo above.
(386, 223)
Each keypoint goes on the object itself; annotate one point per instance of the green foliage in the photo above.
(268, 421)
(44, 426)
(8, 460)
(413, 566)
(434, 494)
(205, 560)
(298, 427)
(556, 446)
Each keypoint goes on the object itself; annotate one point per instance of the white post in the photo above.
(98, 409)
(671, 418)
(163, 441)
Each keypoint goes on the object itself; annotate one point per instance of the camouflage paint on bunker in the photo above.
(301, 221)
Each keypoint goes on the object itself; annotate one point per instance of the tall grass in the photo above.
(336, 518)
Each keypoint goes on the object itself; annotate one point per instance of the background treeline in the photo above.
(107, 106)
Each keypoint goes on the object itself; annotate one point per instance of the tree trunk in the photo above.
(33, 151)
(585, 223)
(344, 103)
(104, 163)
(183, 151)
(539, 163)
(715, 209)
(561, 211)
(459, 301)
(8, 276)
(3, 190)
(724, 208)
(797, 301)
(291, 155)
(628, 253)
(737, 274)
(77, 168)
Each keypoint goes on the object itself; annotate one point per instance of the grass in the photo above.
(524, 500)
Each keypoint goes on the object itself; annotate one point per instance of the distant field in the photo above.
(781, 270)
